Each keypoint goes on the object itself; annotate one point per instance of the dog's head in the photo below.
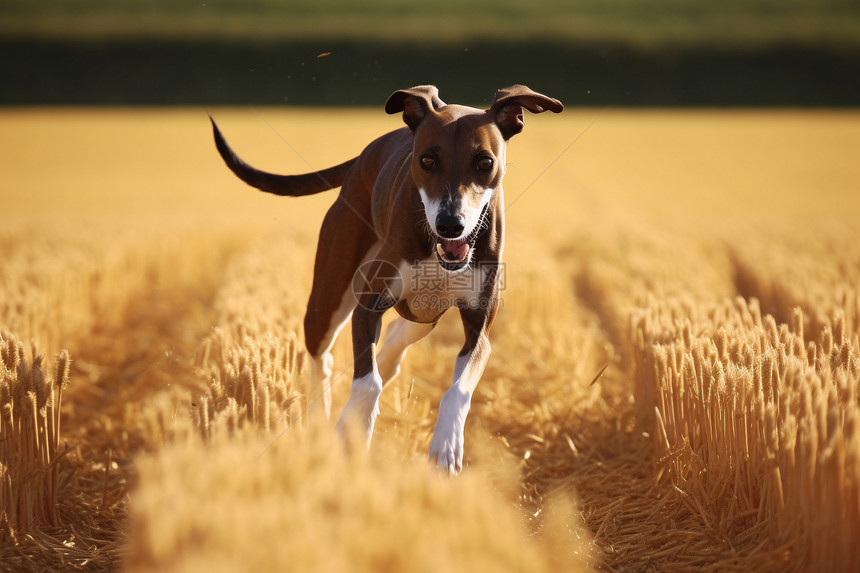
(458, 159)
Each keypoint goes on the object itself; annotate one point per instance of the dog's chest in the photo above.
(429, 290)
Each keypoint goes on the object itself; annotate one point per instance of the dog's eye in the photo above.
(428, 162)
(484, 163)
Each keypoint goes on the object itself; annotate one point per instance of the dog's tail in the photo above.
(285, 185)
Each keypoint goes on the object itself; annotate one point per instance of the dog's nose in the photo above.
(449, 226)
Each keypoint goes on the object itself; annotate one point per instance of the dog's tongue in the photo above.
(455, 251)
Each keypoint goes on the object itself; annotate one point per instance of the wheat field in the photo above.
(674, 384)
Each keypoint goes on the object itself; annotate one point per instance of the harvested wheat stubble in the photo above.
(717, 438)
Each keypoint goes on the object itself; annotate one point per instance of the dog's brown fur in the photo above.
(450, 159)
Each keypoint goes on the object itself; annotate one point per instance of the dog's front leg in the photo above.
(446, 448)
(359, 414)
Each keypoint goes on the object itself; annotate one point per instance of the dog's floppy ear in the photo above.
(509, 103)
(415, 103)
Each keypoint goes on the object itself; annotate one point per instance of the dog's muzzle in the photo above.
(455, 254)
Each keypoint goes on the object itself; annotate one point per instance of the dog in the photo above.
(418, 226)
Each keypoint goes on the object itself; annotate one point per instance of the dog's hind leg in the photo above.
(322, 361)
(399, 335)
(331, 300)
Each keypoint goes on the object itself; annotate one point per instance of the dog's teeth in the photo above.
(440, 249)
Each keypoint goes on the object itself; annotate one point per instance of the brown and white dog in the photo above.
(418, 226)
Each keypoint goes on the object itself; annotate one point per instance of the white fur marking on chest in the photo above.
(426, 285)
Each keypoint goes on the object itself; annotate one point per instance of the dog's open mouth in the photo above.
(455, 254)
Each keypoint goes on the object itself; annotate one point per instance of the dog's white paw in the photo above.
(446, 448)
(362, 408)
(446, 451)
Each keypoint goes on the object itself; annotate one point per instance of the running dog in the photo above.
(418, 226)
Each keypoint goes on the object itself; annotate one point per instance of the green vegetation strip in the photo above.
(639, 24)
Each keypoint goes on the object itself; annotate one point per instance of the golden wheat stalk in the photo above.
(29, 438)
(253, 383)
(758, 425)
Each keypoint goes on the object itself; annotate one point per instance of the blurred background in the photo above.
(340, 52)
